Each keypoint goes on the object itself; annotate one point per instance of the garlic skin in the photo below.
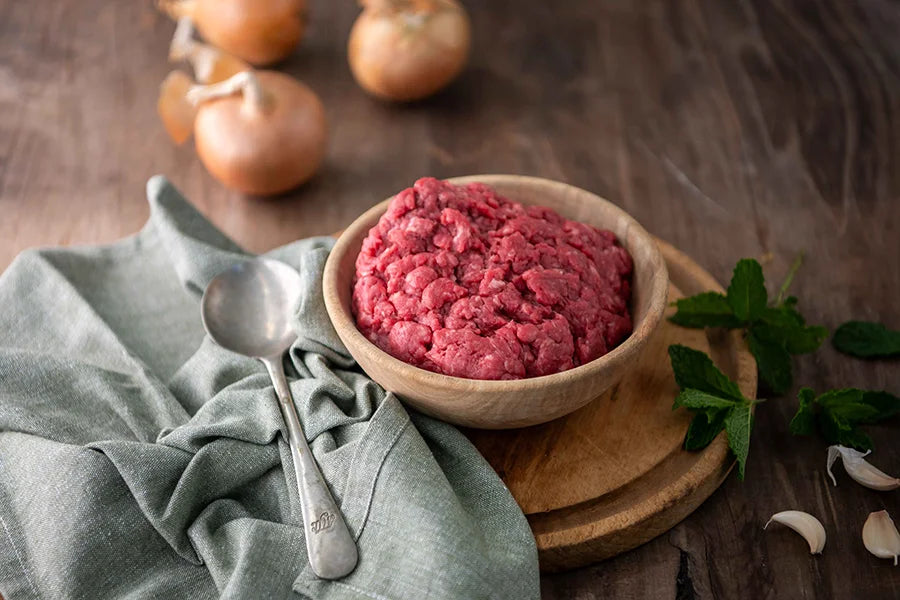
(880, 536)
(806, 525)
(859, 469)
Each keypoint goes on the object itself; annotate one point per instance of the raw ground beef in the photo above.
(460, 281)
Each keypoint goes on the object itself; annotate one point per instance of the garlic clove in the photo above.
(859, 469)
(880, 536)
(806, 525)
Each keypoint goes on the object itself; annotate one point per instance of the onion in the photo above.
(210, 65)
(260, 32)
(259, 132)
(408, 49)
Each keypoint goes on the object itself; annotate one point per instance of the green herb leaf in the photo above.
(836, 398)
(773, 362)
(867, 340)
(839, 412)
(697, 400)
(854, 438)
(854, 412)
(773, 333)
(738, 425)
(782, 316)
(887, 404)
(838, 431)
(704, 428)
(709, 309)
(747, 292)
(804, 422)
(806, 339)
(716, 400)
(695, 370)
(786, 326)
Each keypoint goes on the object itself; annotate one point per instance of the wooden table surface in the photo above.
(728, 128)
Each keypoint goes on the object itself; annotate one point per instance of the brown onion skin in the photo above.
(261, 32)
(404, 66)
(263, 153)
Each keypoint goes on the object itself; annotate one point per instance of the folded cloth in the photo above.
(140, 460)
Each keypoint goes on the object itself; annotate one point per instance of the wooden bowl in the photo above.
(521, 402)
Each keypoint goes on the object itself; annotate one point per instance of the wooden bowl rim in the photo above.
(345, 324)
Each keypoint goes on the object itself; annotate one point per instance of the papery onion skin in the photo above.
(406, 56)
(264, 152)
(176, 112)
(261, 32)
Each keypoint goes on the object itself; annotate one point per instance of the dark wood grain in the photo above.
(728, 128)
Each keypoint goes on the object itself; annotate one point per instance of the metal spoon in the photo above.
(247, 309)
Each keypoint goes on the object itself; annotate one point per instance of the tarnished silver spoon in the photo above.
(247, 309)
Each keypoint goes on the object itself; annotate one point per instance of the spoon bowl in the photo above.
(248, 307)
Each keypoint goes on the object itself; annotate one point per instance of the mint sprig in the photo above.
(866, 339)
(773, 333)
(715, 399)
(836, 414)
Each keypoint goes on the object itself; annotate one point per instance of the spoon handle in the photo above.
(331, 549)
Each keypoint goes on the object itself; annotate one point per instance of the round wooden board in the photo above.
(613, 475)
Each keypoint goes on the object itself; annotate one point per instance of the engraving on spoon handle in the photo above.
(330, 547)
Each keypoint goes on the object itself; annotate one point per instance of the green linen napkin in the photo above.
(140, 460)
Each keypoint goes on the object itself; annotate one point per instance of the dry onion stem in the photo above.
(210, 64)
(245, 82)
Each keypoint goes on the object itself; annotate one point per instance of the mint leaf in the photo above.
(716, 400)
(697, 400)
(836, 398)
(782, 316)
(747, 292)
(773, 362)
(773, 333)
(738, 425)
(839, 412)
(709, 309)
(847, 406)
(854, 412)
(786, 326)
(854, 438)
(704, 428)
(887, 404)
(838, 431)
(804, 422)
(695, 370)
(805, 340)
(867, 340)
